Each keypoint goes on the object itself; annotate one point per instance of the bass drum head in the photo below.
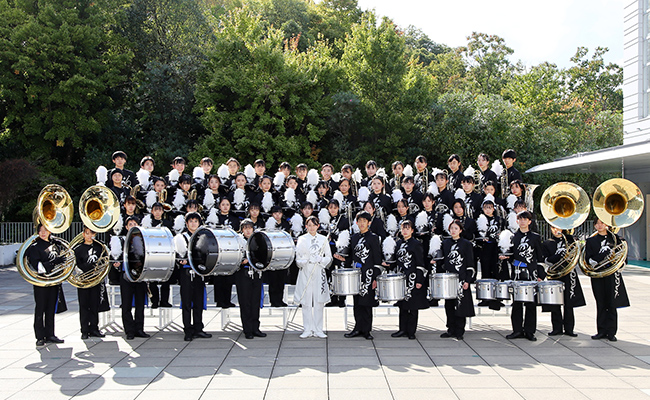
(134, 254)
(270, 250)
(149, 254)
(259, 250)
(215, 251)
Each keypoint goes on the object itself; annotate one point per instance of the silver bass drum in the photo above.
(346, 281)
(149, 254)
(270, 250)
(215, 251)
(550, 292)
(391, 287)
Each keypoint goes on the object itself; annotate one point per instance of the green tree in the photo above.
(489, 66)
(594, 83)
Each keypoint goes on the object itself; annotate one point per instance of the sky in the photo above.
(537, 31)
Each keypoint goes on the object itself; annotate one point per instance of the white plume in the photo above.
(312, 198)
(510, 200)
(270, 224)
(249, 171)
(435, 244)
(364, 193)
(239, 196)
(459, 194)
(421, 221)
(512, 222)
(356, 176)
(446, 221)
(116, 247)
(146, 221)
(408, 170)
(324, 216)
(151, 198)
(469, 171)
(223, 172)
(336, 177)
(208, 199)
(198, 173)
(267, 201)
(179, 223)
(482, 224)
(174, 175)
(505, 241)
(435, 171)
(312, 178)
(338, 196)
(117, 228)
(343, 240)
(278, 181)
(143, 178)
(290, 195)
(489, 197)
(180, 245)
(497, 168)
(212, 217)
(179, 199)
(391, 224)
(355, 227)
(433, 189)
(397, 195)
(381, 172)
(102, 175)
(388, 247)
(296, 224)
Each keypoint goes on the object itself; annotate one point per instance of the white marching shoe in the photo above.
(321, 335)
(306, 334)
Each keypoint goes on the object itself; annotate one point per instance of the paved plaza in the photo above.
(282, 366)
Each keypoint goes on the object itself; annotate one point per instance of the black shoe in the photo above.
(598, 336)
(188, 337)
(40, 342)
(53, 339)
(142, 334)
(231, 304)
(84, 336)
(130, 336)
(342, 304)
(612, 338)
(398, 334)
(555, 333)
(223, 305)
(96, 334)
(433, 302)
(154, 306)
(259, 333)
(202, 335)
(332, 304)
(368, 336)
(571, 334)
(530, 337)
(352, 334)
(249, 336)
(411, 337)
(460, 337)
(445, 335)
(165, 305)
(483, 303)
(515, 335)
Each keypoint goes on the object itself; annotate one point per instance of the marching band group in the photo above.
(420, 222)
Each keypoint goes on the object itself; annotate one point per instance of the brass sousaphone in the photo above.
(565, 206)
(54, 209)
(618, 203)
(99, 209)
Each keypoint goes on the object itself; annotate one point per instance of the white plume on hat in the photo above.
(290, 195)
(512, 222)
(198, 173)
(180, 245)
(296, 224)
(143, 178)
(179, 223)
(355, 227)
(222, 172)
(510, 200)
(270, 224)
(381, 172)
(102, 175)
(278, 181)
(505, 240)
(312, 178)
(146, 221)
(490, 198)
(497, 168)
(179, 200)
(364, 193)
(324, 216)
(174, 175)
(482, 224)
(469, 171)
(267, 201)
(446, 221)
(338, 196)
(408, 170)
(116, 247)
(208, 199)
(239, 196)
(435, 244)
(391, 224)
(397, 195)
(388, 247)
(249, 171)
(421, 220)
(436, 171)
(433, 189)
(459, 194)
(117, 228)
(312, 198)
(151, 198)
(343, 240)
(336, 177)
(356, 176)
(212, 217)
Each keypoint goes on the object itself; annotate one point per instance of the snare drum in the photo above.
(503, 290)
(391, 287)
(346, 281)
(270, 250)
(550, 292)
(149, 254)
(213, 251)
(524, 291)
(444, 286)
(486, 289)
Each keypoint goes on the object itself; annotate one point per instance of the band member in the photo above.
(159, 297)
(489, 228)
(472, 199)
(554, 251)
(326, 172)
(409, 259)
(377, 225)
(517, 193)
(366, 255)
(212, 195)
(292, 197)
(526, 254)
(509, 158)
(412, 195)
(241, 196)
(133, 293)
(206, 165)
(277, 279)
(178, 166)
(458, 259)
(285, 168)
(301, 175)
(130, 210)
(222, 284)
(422, 176)
(382, 202)
(348, 173)
(254, 216)
(403, 214)
(398, 176)
(192, 286)
(128, 177)
(116, 178)
(324, 194)
(445, 200)
(609, 291)
(233, 167)
(44, 255)
(313, 256)
(260, 170)
(371, 173)
(348, 204)
(87, 254)
(249, 290)
(483, 161)
(455, 171)
(338, 223)
(520, 206)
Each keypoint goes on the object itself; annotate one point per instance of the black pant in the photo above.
(408, 319)
(132, 292)
(606, 312)
(519, 324)
(192, 298)
(559, 323)
(89, 308)
(249, 293)
(276, 280)
(223, 289)
(159, 297)
(45, 299)
(455, 324)
(489, 256)
(362, 316)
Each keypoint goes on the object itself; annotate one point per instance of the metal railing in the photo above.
(18, 232)
(581, 232)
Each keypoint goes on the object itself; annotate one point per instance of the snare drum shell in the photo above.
(391, 287)
(503, 290)
(524, 291)
(346, 281)
(486, 289)
(159, 254)
(550, 292)
(444, 286)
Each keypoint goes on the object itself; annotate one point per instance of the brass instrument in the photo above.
(162, 198)
(618, 203)
(528, 196)
(54, 210)
(93, 277)
(478, 184)
(505, 186)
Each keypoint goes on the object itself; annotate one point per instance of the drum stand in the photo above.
(165, 313)
(107, 318)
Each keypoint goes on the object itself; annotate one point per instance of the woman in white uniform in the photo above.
(313, 256)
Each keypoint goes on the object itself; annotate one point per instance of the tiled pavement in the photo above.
(282, 366)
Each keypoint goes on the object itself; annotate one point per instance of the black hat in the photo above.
(157, 204)
(487, 201)
(145, 159)
(132, 218)
(510, 153)
(275, 209)
(115, 171)
(185, 179)
(247, 221)
(178, 160)
(119, 153)
(365, 215)
(193, 215)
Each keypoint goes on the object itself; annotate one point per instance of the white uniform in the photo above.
(313, 256)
